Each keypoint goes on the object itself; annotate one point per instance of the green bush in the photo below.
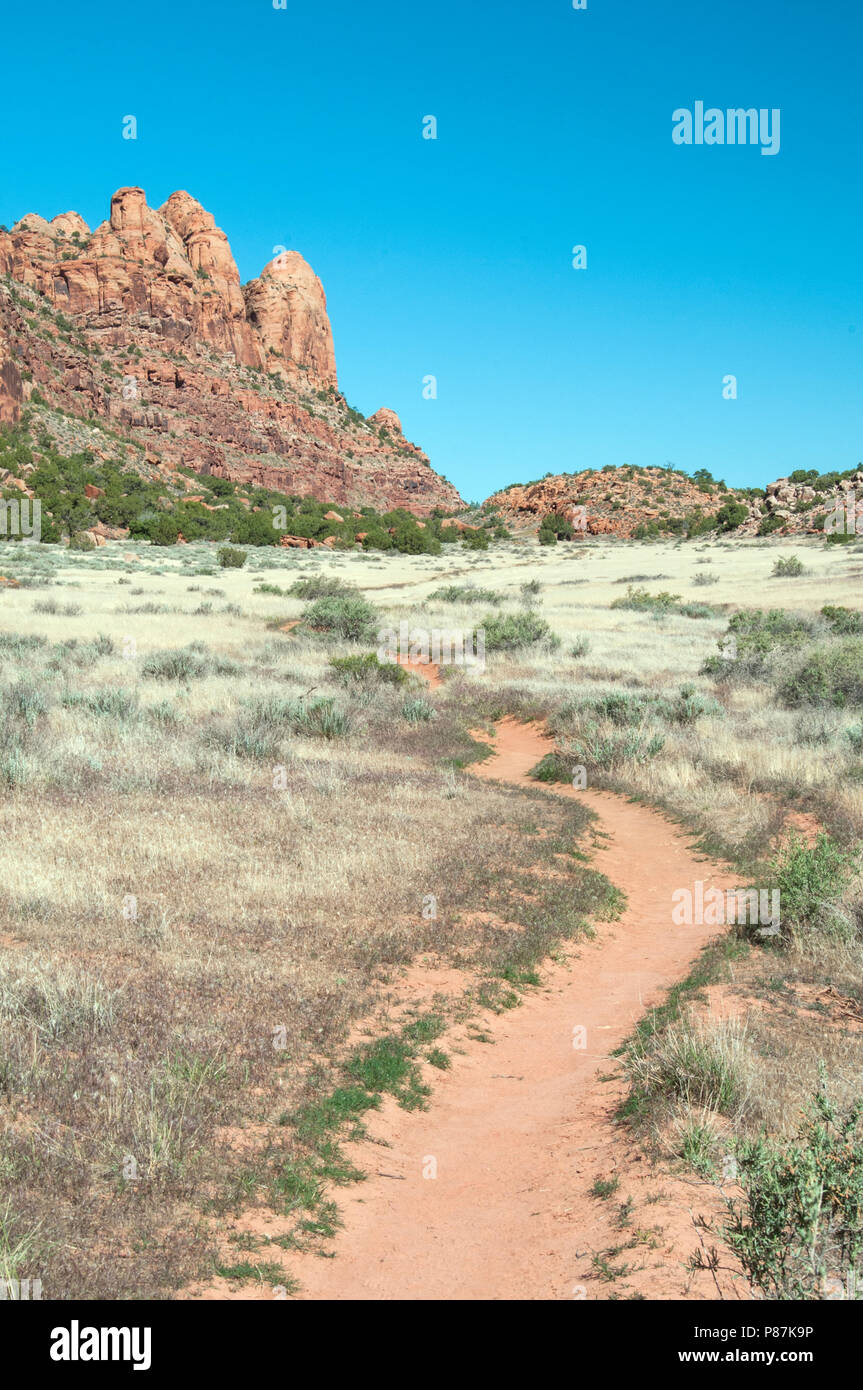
(788, 567)
(643, 601)
(811, 880)
(229, 558)
(800, 1221)
(319, 586)
(732, 515)
(515, 630)
(352, 618)
(845, 622)
(465, 593)
(365, 667)
(832, 674)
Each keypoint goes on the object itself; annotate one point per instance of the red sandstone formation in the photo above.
(144, 323)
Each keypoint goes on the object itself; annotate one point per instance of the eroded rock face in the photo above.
(287, 309)
(150, 328)
(387, 420)
(11, 386)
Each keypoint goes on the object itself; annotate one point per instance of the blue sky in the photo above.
(303, 127)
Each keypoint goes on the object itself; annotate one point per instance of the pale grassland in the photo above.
(278, 876)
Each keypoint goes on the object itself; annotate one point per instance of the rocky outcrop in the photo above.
(625, 502)
(385, 419)
(144, 322)
(287, 309)
(11, 386)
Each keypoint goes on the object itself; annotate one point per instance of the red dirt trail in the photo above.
(518, 1131)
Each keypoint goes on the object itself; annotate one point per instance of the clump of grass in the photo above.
(112, 702)
(23, 703)
(50, 605)
(699, 1065)
(418, 711)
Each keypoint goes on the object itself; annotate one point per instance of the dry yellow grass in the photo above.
(186, 879)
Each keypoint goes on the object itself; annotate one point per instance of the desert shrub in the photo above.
(515, 630)
(418, 711)
(22, 703)
(800, 1220)
(690, 704)
(263, 588)
(579, 648)
(731, 515)
(465, 593)
(19, 644)
(81, 541)
(811, 880)
(854, 736)
(554, 767)
(754, 636)
(348, 616)
(788, 567)
(702, 579)
(643, 601)
(832, 674)
(319, 586)
(366, 667)
(475, 540)
(845, 622)
(177, 664)
(231, 558)
(113, 702)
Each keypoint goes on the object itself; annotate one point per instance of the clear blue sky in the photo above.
(302, 127)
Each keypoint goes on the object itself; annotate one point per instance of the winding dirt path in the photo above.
(517, 1132)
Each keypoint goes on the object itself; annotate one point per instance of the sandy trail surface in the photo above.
(486, 1195)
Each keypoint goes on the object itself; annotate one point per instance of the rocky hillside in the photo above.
(642, 502)
(144, 326)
